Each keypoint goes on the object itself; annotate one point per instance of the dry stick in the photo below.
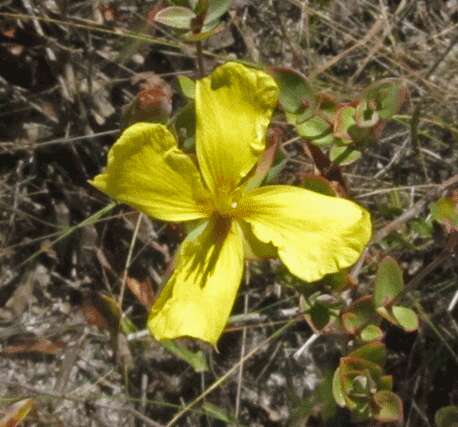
(129, 259)
(296, 54)
(372, 51)
(243, 348)
(380, 43)
(39, 393)
(200, 59)
(230, 372)
(415, 121)
(94, 26)
(355, 38)
(371, 34)
(38, 28)
(445, 254)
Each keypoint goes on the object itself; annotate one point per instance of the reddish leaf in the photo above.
(108, 12)
(15, 413)
(143, 291)
(93, 313)
(266, 159)
(153, 102)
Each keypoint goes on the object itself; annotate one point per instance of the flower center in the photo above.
(226, 202)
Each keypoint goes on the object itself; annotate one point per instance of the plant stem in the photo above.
(200, 59)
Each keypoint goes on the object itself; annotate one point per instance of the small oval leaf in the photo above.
(320, 316)
(216, 9)
(176, 17)
(406, 318)
(296, 95)
(371, 333)
(388, 282)
(445, 212)
(197, 359)
(315, 130)
(389, 407)
(447, 416)
(337, 390)
(344, 155)
(373, 352)
(319, 184)
(386, 97)
(187, 86)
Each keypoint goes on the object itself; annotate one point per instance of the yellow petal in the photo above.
(315, 234)
(233, 108)
(147, 171)
(253, 248)
(199, 296)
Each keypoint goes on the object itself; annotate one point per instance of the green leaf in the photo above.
(325, 398)
(352, 366)
(109, 308)
(176, 17)
(386, 97)
(389, 407)
(400, 316)
(217, 413)
(422, 227)
(296, 95)
(337, 390)
(216, 9)
(358, 315)
(315, 130)
(319, 184)
(344, 155)
(373, 352)
(201, 7)
(406, 318)
(197, 360)
(388, 282)
(187, 86)
(445, 212)
(320, 315)
(447, 416)
(337, 281)
(371, 333)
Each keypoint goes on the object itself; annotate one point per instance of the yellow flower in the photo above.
(312, 234)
